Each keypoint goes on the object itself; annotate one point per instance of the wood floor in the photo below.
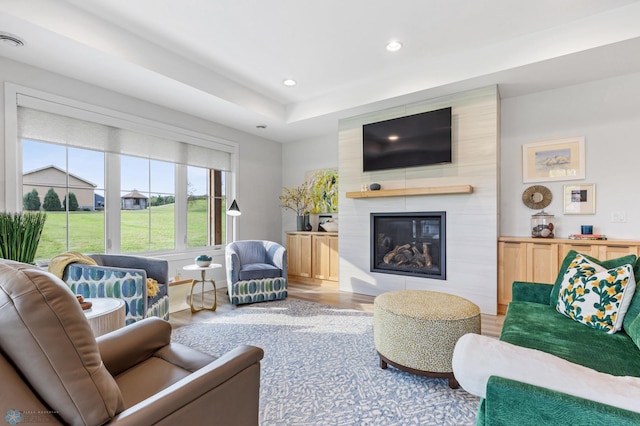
(491, 324)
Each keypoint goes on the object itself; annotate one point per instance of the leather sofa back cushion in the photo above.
(47, 337)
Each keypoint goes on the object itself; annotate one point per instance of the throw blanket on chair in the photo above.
(59, 263)
(152, 287)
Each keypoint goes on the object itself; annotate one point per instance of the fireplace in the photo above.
(409, 244)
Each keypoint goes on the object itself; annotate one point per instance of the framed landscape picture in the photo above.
(559, 159)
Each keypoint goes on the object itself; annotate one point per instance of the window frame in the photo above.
(12, 189)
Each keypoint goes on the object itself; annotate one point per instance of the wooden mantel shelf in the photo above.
(403, 192)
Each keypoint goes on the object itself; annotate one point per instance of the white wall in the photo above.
(472, 219)
(302, 157)
(260, 160)
(607, 114)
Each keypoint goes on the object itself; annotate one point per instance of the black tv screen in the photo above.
(411, 141)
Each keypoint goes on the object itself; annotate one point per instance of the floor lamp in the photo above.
(234, 211)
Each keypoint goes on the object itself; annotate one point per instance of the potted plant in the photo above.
(298, 199)
(20, 234)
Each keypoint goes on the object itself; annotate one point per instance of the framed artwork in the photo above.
(324, 190)
(580, 199)
(559, 159)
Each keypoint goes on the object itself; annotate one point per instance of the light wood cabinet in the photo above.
(538, 259)
(299, 255)
(325, 257)
(313, 257)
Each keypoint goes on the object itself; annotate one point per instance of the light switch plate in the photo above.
(618, 217)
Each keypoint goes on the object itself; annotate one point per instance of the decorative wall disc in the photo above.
(537, 197)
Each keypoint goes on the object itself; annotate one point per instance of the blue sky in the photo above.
(89, 165)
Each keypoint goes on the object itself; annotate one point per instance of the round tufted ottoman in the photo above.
(416, 330)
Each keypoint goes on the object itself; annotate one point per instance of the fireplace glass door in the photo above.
(409, 244)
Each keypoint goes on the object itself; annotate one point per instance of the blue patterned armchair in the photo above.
(256, 271)
(123, 277)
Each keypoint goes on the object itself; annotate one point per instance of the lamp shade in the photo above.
(234, 210)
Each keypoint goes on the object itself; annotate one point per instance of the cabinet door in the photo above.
(321, 257)
(542, 263)
(588, 249)
(512, 266)
(616, 250)
(299, 255)
(293, 254)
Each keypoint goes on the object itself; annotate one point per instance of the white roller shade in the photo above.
(87, 129)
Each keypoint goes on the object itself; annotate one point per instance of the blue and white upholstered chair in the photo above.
(256, 271)
(123, 277)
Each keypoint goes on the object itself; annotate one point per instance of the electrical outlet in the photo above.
(618, 217)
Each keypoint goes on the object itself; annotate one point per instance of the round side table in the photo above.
(105, 315)
(203, 274)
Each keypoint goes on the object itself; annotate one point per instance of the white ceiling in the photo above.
(224, 60)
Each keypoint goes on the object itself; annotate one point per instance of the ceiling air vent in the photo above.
(11, 40)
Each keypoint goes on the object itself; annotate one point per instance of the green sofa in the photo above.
(572, 353)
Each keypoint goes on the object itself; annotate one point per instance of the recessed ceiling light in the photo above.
(393, 138)
(11, 40)
(289, 82)
(394, 46)
(261, 126)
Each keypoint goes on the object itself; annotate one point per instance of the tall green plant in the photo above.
(20, 234)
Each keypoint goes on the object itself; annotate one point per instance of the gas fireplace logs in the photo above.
(409, 255)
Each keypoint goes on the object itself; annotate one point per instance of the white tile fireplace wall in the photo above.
(472, 219)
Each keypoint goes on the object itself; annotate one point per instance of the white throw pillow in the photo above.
(476, 358)
(595, 296)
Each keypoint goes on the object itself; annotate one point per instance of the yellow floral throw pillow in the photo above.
(596, 296)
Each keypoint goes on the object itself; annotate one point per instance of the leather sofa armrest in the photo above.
(123, 348)
(224, 392)
(531, 292)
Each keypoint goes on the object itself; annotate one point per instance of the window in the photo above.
(68, 183)
(206, 207)
(147, 205)
(115, 183)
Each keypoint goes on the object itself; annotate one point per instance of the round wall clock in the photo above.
(537, 197)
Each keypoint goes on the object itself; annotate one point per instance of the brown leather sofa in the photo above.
(54, 371)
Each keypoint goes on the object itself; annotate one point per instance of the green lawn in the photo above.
(86, 230)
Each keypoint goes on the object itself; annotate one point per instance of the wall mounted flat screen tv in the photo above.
(411, 141)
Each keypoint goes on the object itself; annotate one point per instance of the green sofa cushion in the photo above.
(522, 291)
(631, 323)
(514, 403)
(538, 326)
(632, 326)
(606, 264)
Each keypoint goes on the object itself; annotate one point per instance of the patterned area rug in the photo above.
(321, 368)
